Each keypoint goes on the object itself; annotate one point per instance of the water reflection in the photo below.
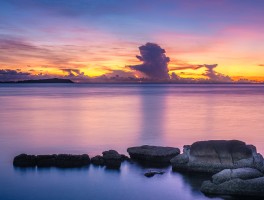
(153, 120)
(93, 118)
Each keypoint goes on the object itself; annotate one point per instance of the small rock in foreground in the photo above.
(153, 173)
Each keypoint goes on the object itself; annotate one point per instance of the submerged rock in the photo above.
(156, 154)
(153, 173)
(216, 155)
(61, 160)
(244, 181)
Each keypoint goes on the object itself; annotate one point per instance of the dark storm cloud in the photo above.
(155, 62)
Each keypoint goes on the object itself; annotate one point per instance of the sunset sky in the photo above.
(89, 38)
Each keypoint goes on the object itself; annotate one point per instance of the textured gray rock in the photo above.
(215, 155)
(153, 153)
(229, 174)
(245, 182)
(61, 160)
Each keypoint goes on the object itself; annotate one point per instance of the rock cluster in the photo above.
(215, 155)
(111, 159)
(242, 181)
(239, 168)
(155, 154)
(60, 160)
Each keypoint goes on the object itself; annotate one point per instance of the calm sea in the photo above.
(91, 118)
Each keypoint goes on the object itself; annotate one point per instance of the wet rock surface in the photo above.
(215, 155)
(155, 154)
(244, 181)
(60, 160)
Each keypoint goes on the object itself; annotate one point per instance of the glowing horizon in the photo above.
(95, 38)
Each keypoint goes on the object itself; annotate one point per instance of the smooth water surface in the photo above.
(91, 118)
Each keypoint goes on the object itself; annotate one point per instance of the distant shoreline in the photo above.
(52, 80)
(59, 80)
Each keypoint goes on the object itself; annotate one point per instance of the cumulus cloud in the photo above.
(210, 72)
(155, 62)
(215, 76)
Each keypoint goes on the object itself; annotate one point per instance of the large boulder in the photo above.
(61, 160)
(156, 154)
(216, 155)
(243, 182)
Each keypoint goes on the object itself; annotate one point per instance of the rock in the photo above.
(112, 159)
(61, 160)
(153, 173)
(155, 154)
(97, 160)
(229, 174)
(46, 160)
(67, 160)
(215, 155)
(242, 182)
(24, 160)
(124, 158)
